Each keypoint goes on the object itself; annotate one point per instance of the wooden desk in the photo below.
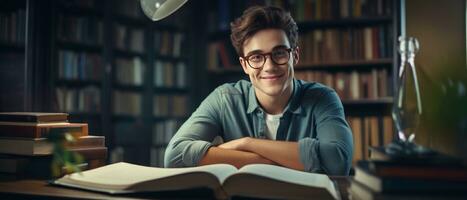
(40, 189)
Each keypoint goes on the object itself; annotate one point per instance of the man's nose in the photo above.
(268, 64)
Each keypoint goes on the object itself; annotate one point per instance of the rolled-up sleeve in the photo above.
(332, 149)
(194, 137)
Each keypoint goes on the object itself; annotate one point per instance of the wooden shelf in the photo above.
(169, 90)
(128, 87)
(159, 90)
(79, 11)
(77, 83)
(165, 118)
(79, 46)
(219, 35)
(143, 144)
(310, 25)
(132, 21)
(159, 146)
(365, 102)
(81, 115)
(346, 65)
(170, 58)
(345, 22)
(167, 27)
(125, 117)
(9, 6)
(237, 70)
(368, 107)
(128, 53)
(12, 47)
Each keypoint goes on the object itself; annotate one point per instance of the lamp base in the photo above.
(401, 149)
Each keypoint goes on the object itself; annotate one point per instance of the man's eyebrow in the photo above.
(261, 51)
(280, 46)
(254, 52)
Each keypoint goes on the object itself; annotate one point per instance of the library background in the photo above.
(135, 81)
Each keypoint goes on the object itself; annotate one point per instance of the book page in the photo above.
(291, 176)
(120, 176)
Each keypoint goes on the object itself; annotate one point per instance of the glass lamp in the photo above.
(159, 9)
(407, 108)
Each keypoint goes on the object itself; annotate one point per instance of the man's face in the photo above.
(273, 79)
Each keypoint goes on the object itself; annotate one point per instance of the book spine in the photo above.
(41, 132)
(96, 153)
(39, 166)
(86, 142)
(32, 118)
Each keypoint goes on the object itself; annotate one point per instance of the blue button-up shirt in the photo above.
(314, 116)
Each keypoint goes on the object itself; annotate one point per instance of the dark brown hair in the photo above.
(257, 18)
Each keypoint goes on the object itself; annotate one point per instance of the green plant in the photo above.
(64, 161)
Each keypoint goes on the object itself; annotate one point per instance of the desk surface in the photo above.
(25, 189)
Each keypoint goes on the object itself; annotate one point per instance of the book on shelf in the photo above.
(453, 172)
(86, 99)
(130, 71)
(127, 103)
(13, 25)
(169, 74)
(369, 131)
(394, 183)
(39, 166)
(157, 156)
(352, 85)
(360, 191)
(225, 180)
(79, 29)
(79, 65)
(168, 43)
(37, 117)
(432, 158)
(41, 130)
(164, 130)
(221, 55)
(170, 105)
(340, 45)
(131, 9)
(42, 146)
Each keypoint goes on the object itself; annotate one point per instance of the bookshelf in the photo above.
(129, 64)
(13, 55)
(121, 73)
(346, 45)
(77, 45)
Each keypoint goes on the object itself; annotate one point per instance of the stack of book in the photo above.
(437, 178)
(26, 152)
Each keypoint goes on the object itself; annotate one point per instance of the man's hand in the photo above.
(238, 144)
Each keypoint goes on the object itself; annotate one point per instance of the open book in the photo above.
(256, 180)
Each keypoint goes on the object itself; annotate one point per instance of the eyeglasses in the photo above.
(278, 56)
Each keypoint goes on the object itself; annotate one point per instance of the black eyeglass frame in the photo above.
(246, 58)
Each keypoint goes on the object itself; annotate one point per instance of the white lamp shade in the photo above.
(159, 9)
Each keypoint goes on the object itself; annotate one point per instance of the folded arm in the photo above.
(233, 157)
(283, 153)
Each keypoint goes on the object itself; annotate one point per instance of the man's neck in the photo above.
(274, 104)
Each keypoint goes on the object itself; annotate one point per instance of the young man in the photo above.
(274, 118)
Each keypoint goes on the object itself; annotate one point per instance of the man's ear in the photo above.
(296, 55)
(244, 65)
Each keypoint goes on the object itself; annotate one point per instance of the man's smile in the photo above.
(272, 77)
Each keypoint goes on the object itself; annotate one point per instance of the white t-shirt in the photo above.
(272, 124)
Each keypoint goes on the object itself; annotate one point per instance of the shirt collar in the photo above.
(293, 105)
